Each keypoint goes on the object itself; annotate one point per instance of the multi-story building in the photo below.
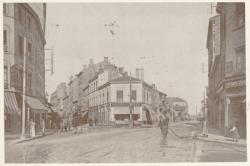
(56, 98)
(77, 100)
(226, 59)
(110, 101)
(24, 39)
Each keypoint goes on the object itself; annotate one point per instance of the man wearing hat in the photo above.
(163, 125)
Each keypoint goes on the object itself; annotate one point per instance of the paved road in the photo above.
(120, 145)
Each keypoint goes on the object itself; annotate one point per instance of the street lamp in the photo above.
(24, 88)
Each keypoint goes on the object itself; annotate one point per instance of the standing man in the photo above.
(204, 127)
(163, 124)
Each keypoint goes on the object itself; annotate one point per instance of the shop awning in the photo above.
(35, 104)
(10, 103)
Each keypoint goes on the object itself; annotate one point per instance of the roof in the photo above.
(93, 78)
(86, 87)
(35, 104)
(174, 99)
(125, 78)
(78, 74)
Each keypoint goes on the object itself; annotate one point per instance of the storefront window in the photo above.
(5, 77)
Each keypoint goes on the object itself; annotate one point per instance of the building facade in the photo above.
(178, 108)
(114, 100)
(227, 79)
(24, 39)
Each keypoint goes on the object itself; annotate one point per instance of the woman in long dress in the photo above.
(32, 128)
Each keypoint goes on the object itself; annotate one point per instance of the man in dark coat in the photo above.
(163, 125)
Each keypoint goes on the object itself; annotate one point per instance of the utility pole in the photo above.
(24, 88)
(130, 100)
(196, 111)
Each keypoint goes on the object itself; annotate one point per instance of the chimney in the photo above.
(106, 59)
(139, 73)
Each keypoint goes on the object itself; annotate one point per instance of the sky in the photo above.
(167, 39)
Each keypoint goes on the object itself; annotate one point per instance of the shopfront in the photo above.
(236, 106)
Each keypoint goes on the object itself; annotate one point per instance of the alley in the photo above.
(120, 145)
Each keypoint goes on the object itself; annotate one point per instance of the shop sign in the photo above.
(235, 84)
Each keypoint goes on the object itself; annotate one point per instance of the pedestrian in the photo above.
(61, 125)
(204, 128)
(90, 124)
(43, 126)
(32, 128)
(163, 125)
(235, 133)
(95, 121)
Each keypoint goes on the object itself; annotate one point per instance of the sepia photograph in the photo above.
(124, 82)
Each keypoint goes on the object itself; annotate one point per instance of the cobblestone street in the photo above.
(121, 145)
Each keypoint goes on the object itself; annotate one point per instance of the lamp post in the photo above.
(24, 88)
(130, 100)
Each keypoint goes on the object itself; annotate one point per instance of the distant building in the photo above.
(227, 72)
(178, 108)
(24, 26)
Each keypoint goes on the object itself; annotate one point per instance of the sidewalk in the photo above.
(221, 139)
(15, 138)
(213, 135)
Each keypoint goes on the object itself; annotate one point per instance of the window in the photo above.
(20, 78)
(5, 77)
(5, 40)
(133, 95)
(20, 15)
(100, 101)
(29, 50)
(29, 23)
(229, 67)
(240, 60)
(20, 46)
(29, 82)
(119, 96)
(107, 96)
(147, 96)
(103, 98)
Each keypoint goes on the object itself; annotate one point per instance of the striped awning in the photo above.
(35, 104)
(10, 103)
